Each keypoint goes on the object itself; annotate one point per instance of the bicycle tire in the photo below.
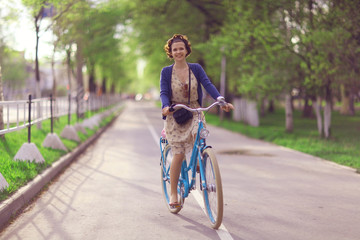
(212, 194)
(165, 180)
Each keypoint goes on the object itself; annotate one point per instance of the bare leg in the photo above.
(174, 175)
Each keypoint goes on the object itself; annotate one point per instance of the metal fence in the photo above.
(19, 114)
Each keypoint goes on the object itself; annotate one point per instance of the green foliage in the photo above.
(35, 5)
(271, 46)
(98, 30)
(154, 22)
(102, 48)
(254, 60)
(14, 68)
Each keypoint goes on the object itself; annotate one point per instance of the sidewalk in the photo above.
(24, 195)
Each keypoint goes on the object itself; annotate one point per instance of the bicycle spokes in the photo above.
(213, 197)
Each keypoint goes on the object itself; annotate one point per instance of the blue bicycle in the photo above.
(202, 156)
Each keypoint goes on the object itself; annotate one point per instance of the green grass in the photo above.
(343, 147)
(18, 173)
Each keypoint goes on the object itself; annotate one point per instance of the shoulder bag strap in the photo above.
(189, 84)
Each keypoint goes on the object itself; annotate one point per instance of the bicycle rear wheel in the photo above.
(213, 194)
(165, 179)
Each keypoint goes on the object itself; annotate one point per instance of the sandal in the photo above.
(174, 205)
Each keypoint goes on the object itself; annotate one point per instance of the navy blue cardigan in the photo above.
(165, 84)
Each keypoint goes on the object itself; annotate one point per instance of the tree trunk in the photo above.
(252, 115)
(345, 101)
(351, 104)
(54, 78)
(262, 106)
(1, 107)
(103, 86)
(37, 69)
(112, 91)
(307, 111)
(53, 71)
(69, 69)
(92, 84)
(289, 114)
(54, 88)
(327, 112)
(271, 107)
(80, 84)
(317, 109)
(327, 119)
(299, 103)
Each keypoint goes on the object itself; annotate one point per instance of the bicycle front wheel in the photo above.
(213, 194)
(165, 178)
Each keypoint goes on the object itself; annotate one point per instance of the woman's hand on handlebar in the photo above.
(224, 105)
(165, 111)
(227, 107)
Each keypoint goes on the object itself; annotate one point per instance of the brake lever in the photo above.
(221, 101)
(171, 108)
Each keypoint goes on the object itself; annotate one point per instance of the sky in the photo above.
(20, 34)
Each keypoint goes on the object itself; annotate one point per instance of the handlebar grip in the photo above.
(221, 100)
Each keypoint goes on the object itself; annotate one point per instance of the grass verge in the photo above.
(343, 147)
(18, 173)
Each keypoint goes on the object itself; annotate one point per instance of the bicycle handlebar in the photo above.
(219, 101)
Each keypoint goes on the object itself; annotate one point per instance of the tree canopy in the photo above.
(272, 47)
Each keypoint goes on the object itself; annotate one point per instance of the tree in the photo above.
(344, 19)
(155, 22)
(255, 36)
(41, 9)
(89, 33)
(14, 69)
(102, 47)
(331, 32)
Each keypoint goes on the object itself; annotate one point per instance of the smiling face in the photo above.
(178, 51)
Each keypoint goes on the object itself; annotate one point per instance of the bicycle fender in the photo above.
(206, 147)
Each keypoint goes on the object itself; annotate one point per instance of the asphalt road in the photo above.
(113, 191)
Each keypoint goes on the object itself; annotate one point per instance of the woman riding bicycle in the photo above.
(181, 83)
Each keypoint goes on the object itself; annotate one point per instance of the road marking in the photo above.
(155, 136)
(222, 232)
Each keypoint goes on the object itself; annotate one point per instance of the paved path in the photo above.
(113, 191)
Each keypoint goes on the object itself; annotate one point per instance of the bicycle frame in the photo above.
(198, 148)
(202, 156)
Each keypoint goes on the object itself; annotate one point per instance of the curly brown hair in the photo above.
(177, 38)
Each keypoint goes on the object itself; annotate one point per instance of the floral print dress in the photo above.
(181, 137)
